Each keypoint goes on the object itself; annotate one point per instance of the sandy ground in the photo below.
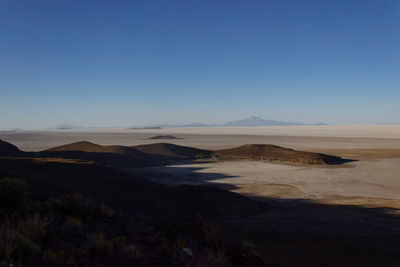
(376, 176)
(297, 137)
(371, 131)
(374, 179)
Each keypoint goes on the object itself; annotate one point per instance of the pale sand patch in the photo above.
(269, 191)
(373, 179)
(372, 131)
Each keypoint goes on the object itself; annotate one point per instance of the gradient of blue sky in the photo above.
(124, 63)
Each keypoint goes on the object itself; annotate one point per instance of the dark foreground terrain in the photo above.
(76, 212)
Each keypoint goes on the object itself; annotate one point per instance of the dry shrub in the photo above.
(14, 245)
(75, 224)
(74, 205)
(105, 211)
(209, 234)
(34, 227)
(98, 245)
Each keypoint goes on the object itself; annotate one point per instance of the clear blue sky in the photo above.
(125, 63)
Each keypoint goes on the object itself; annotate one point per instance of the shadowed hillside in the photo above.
(175, 151)
(165, 153)
(131, 193)
(116, 156)
(123, 156)
(277, 153)
(7, 149)
(85, 146)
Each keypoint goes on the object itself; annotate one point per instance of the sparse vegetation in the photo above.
(73, 230)
(75, 224)
(105, 211)
(73, 205)
(216, 258)
(34, 227)
(14, 245)
(98, 245)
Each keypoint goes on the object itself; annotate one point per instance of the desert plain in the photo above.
(373, 179)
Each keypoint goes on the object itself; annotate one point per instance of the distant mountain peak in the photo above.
(255, 118)
(257, 121)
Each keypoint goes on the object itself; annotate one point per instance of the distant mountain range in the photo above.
(65, 127)
(252, 121)
(256, 121)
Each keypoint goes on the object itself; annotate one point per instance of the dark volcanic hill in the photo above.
(277, 153)
(174, 151)
(124, 156)
(85, 146)
(116, 156)
(164, 137)
(7, 149)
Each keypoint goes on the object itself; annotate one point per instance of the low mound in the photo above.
(174, 151)
(164, 137)
(126, 157)
(116, 156)
(277, 153)
(94, 148)
(7, 149)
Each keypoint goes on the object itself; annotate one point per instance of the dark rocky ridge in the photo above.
(174, 151)
(164, 137)
(7, 149)
(277, 153)
(166, 153)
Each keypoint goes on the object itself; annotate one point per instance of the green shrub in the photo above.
(98, 245)
(13, 193)
(34, 227)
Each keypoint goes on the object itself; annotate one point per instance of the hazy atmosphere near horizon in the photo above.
(140, 63)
